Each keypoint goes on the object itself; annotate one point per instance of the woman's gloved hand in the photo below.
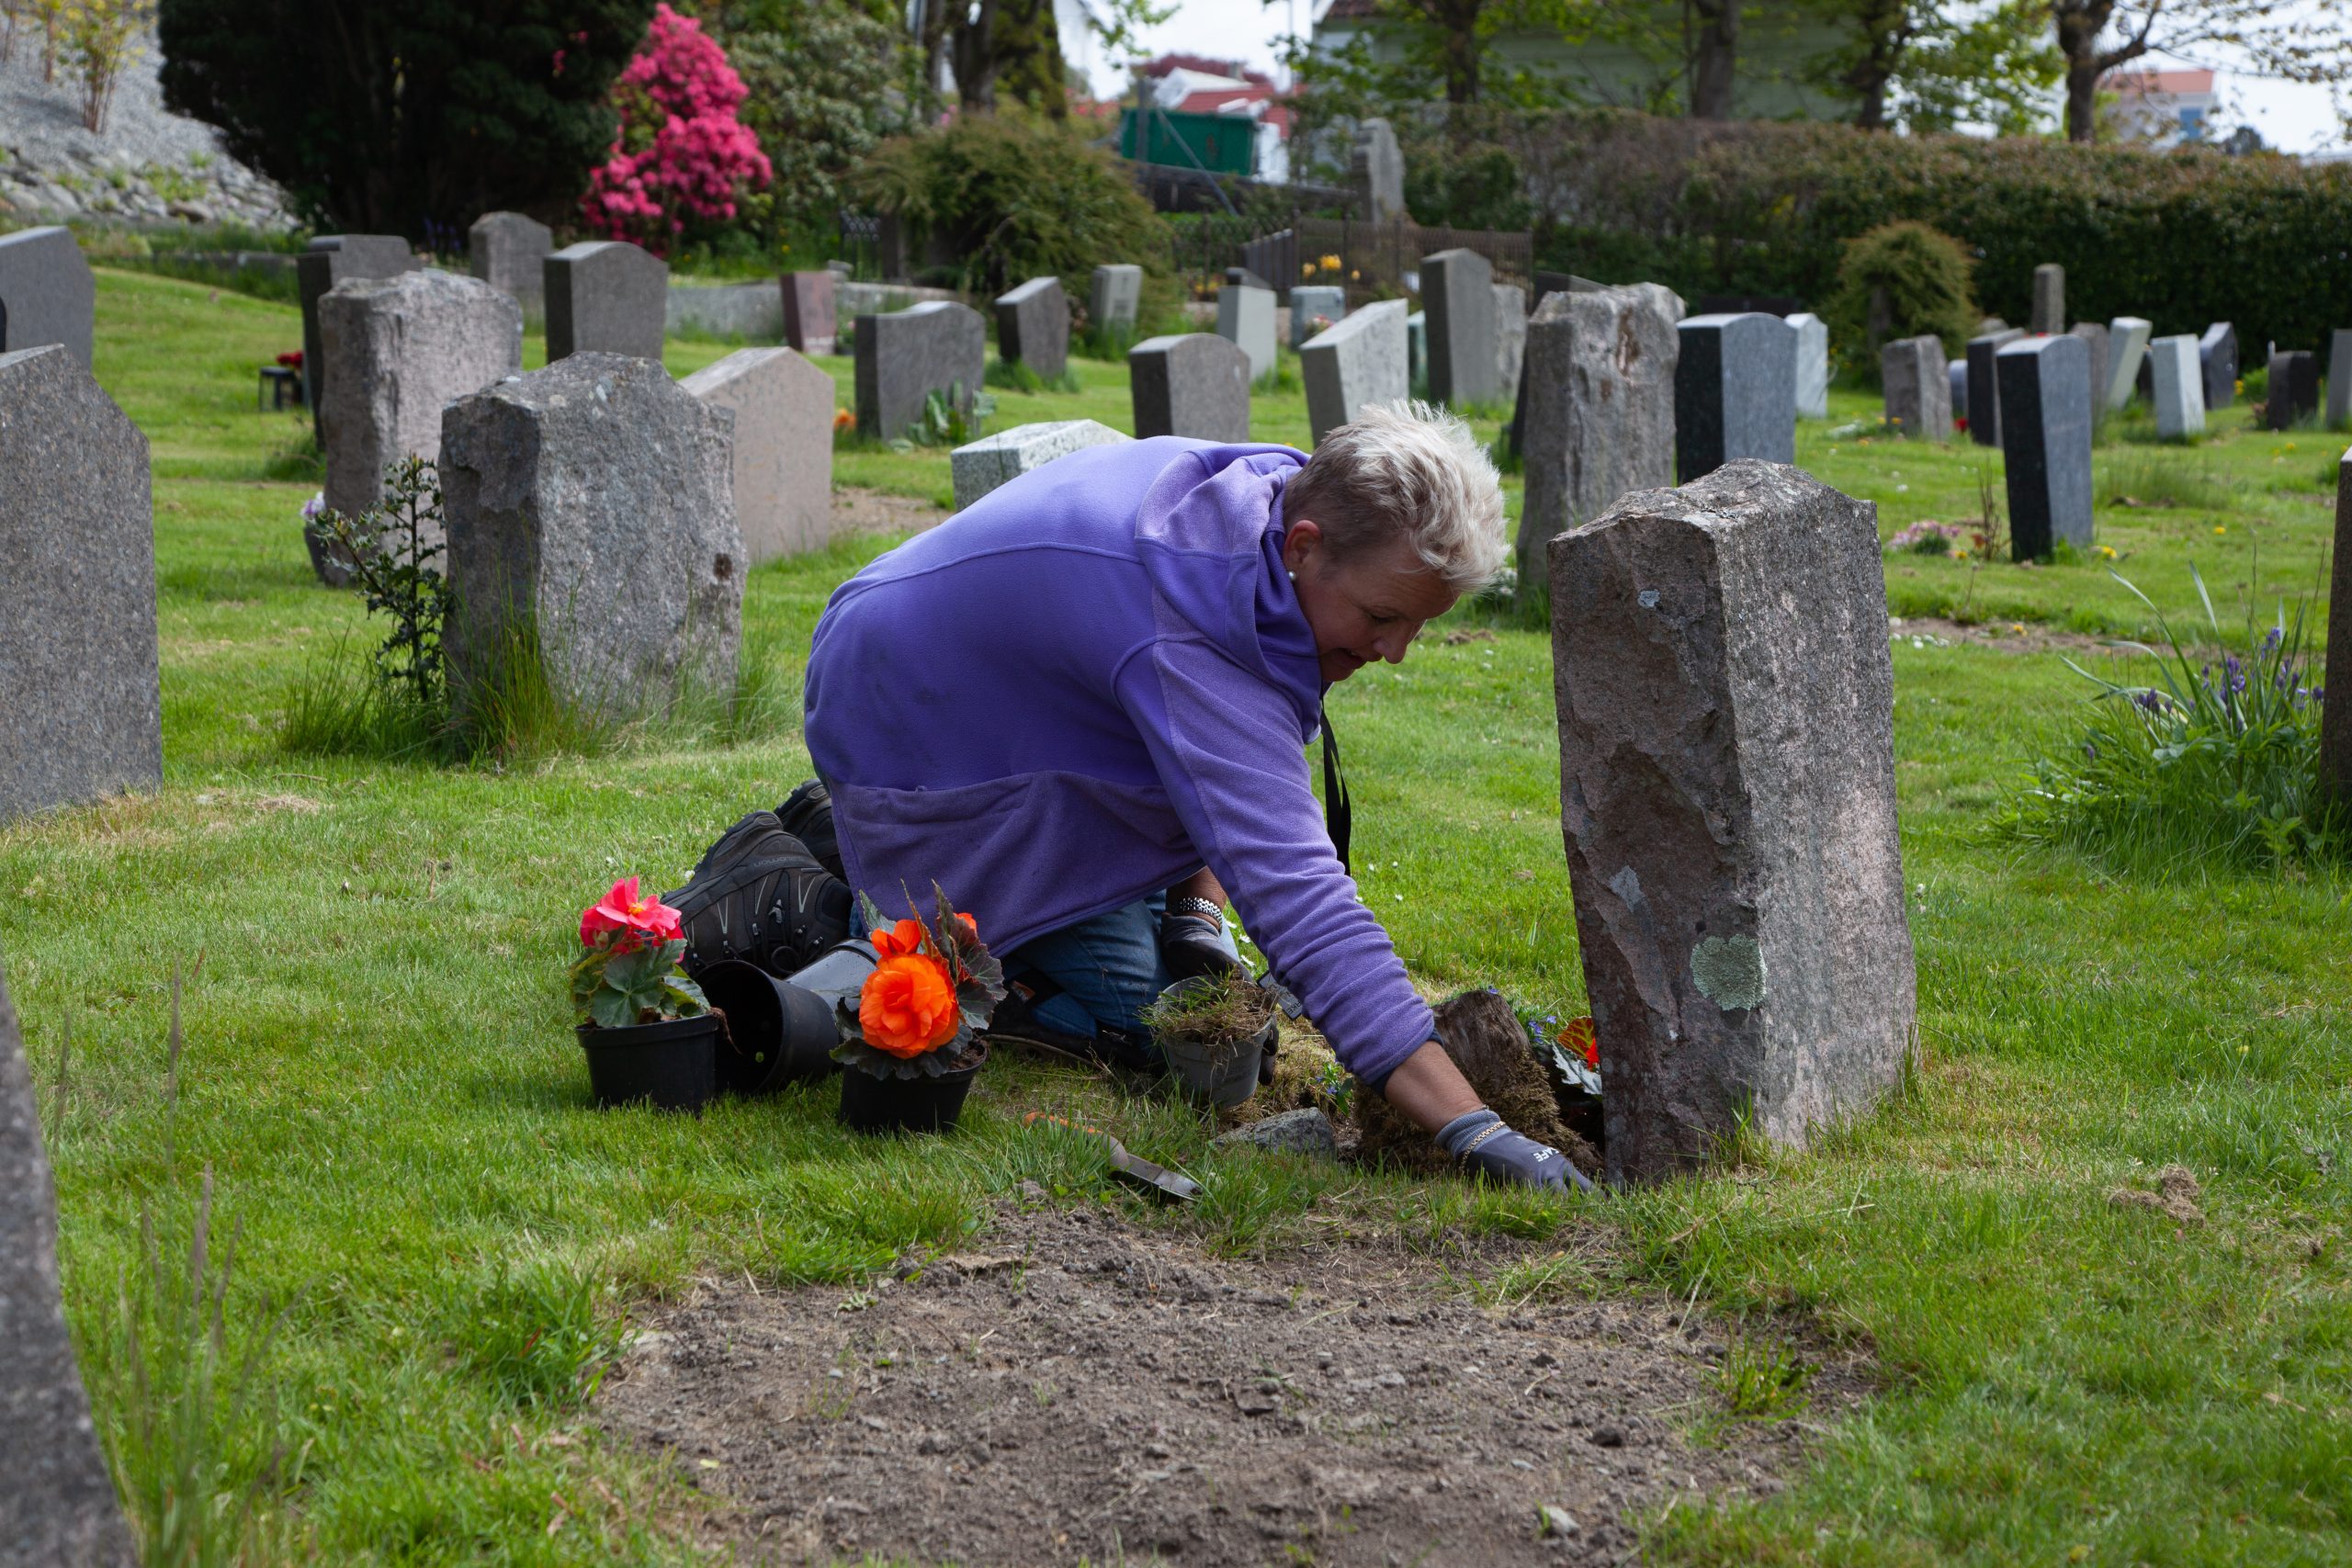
(1481, 1139)
(1192, 943)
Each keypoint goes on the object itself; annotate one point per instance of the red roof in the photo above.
(1352, 11)
(1212, 100)
(1205, 65)
(2142, 82)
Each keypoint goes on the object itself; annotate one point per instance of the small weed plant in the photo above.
(395, 550)
(2215, 763)
(948, 419)
(1015, 376)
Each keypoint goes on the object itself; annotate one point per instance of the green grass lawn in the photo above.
(379, 1072)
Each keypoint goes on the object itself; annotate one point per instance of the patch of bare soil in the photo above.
(2017, 637)
(1075, 1387)
(859, 511)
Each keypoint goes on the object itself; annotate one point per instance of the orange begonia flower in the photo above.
(897, 939)
(908, 1007)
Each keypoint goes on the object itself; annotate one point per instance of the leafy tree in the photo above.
(1911, 63)
(826, 87)
(2275, 38)
(381, 117)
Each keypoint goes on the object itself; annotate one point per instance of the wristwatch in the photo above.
(1207, 909)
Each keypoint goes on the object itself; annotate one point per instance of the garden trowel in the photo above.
(1156, 1178)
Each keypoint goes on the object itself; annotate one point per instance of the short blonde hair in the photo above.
(1414, 475)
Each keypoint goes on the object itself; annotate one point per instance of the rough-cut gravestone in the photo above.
(2049, 298)
(47, 295)
(1113, 297)
(397, 350)
(2127, 348)
(2217, 351)
(999, 459)
(808, 323)
(1812, 365)
(783, 410)
(2335, 718)
(1918, 387)
(60, 1510)
(606, 297)
(1376, 168)
(2339, 376)
(906, 355)
(1196, 384)
(1725, 703)
(80, 716)
(1245, 317)
(1510, 338)
(1599, 411)
(2095, 337)
(333, 259)
(2180, 393)
(1361, 360)
(1458, 295)
(1735, 392)
(1416, 347)
(1033, 327)
(1310, 301)
(509, 252)
(2294, 389)
(1984, 386)
(591, 510)
(2046, 442)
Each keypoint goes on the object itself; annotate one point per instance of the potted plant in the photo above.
(649, 1033)
(1215, 1030)
(910, 1040)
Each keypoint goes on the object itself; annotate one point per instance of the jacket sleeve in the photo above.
(1226, 747)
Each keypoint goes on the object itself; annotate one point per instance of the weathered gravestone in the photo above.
(783, 410)
(2046, 442)
(80, 716)
(60, 1510)
(1416, 348)
(1196, 384)
(1033, 327)
(809, 321)
(333, 259)
(1725, 703)
(396, 351)
(2335, 718)
(999, 459)
(1458, 296)
(2294, 389)
(1600, 373)
(1984, 386)
(1735, 392)
(1376, 168)
(2217, 352)
(1360, 360)
(2127, 349)
(590, 513)
(47, 295)
(606, 297)
(509, 252)
(1113, 296)
(1311, 301)
(2049, 298)
(1812, 365)
(2094, 337)
(2339, 376)
(1918, 387)
(905, 355)
(2179, 392)
(1245, 317)
(1511, 339)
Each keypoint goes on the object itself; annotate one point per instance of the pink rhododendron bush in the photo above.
(681, 154)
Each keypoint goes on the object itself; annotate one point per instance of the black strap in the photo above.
(1338, 814)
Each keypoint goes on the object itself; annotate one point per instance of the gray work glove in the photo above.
(1480, 1139)
(1195, 945)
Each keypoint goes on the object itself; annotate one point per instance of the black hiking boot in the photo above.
(759, 895)
(808, 815)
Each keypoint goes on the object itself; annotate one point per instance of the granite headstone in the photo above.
(1812, 365)
(333, 259)
(1359, 360)
(999, 459)
(1600, 374)
(1113, 297)
(810, 326)
(2178, 394)
(1984, 386)
(1196, 384)
(1458, 295)
(1918, 387)
(2217, 352)
(1735, 392)
(2126, 350)
(2049, 298)
(47, 295)
(509, 252)
(2095, 336)
(1416, 348)
(782, 450)
(2046, 442)
(2339, 376)
(1033, 327)
(1511, 339)
(2294, 396)
(1245, 317)
(1376, 168)
(2335, 718)
(606, 297)
(1311, 301)
(1725, 702)
(903, 356)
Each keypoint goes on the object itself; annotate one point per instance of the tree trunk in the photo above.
(1458, 20)
(1715, 53)
(973, 51)
(1887, 30)
(2080, 22)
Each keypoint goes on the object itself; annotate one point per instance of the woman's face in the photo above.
(1363, 610)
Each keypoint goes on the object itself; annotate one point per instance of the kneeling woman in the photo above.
(1082, 707)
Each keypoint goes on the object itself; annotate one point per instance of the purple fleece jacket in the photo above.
(1082, 689)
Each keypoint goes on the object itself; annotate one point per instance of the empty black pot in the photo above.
(671, 1065)
(780, 1033)
(907, 1105)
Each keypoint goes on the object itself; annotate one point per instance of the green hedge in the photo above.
(2183, 238)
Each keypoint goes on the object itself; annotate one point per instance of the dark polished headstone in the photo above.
(1735, 392)
(1984, 388)
(2046, 442)
(808, 319)
(2217, 351)
(903, 356)
(2294, 391)
(332, 259)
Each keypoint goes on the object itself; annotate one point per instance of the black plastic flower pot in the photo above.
(871, 1104)
(777, 1033)
(672, 1066)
